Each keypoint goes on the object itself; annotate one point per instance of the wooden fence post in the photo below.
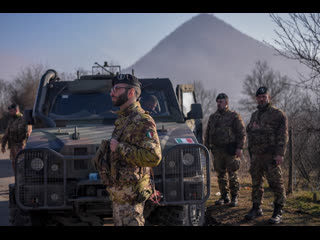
(290, 182)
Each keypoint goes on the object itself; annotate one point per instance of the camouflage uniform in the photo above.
(138, 150)
(265, 142)
(226, 132)
(16, 135)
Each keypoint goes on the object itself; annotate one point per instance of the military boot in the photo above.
(255, 211)
(277, 215)
(223, 200)
(234, 201)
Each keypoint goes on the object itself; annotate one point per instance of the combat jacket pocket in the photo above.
(223, 136)
(263, 136)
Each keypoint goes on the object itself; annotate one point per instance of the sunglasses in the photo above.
(115, 88)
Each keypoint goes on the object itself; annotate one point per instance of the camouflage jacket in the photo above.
(138, 150)
(225, 127)
(16, 133)
(271, 134)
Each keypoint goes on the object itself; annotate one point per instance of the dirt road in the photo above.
(6, 177)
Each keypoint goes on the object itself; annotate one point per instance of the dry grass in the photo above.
(300, 209)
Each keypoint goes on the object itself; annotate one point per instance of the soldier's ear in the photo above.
(131, 92)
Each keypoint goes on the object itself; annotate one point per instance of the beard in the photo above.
(123, 98)
(262, 105)
(221, 109)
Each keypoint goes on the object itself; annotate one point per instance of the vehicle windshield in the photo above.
(98, 105)
(155, 102)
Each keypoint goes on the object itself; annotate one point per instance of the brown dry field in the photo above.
(299, 210)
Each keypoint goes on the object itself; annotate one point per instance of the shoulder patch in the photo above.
(150, 134)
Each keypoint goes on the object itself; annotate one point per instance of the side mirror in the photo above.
(27, 115)
(196, 111)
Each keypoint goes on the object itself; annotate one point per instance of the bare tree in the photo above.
(4, 96)
(263, 75)
(207, 98)
(25, 85)
(299, 39)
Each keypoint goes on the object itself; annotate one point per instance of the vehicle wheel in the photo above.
(185, 215)
(196, 214)
(19, 217)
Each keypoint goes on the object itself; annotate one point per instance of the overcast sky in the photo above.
(67, 41)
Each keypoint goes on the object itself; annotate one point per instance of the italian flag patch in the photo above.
(150, 134)
(184, 140)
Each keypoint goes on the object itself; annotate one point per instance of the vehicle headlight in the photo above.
(172, 164)
(188, 159)
(173, 193)
(54, 197)
(54, 167)
(37, 164)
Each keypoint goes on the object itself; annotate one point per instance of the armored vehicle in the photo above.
(55, 180)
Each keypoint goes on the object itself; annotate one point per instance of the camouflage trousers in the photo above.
(262, 166)
(126, 214)
(14, 149)
(225, 163)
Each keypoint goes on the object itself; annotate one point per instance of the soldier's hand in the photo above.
(113, 144)
(3, 150)
(279, 159)
(238, 152)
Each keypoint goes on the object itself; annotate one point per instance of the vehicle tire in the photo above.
(196, 214)
(180, 215)
(19, 217)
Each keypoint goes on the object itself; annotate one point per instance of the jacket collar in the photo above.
(223, 111)
(134, 107)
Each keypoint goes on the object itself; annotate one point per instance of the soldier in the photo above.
(16, 133)
(135, 149)
(225, 137)
(150, 102)
(267, 140)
